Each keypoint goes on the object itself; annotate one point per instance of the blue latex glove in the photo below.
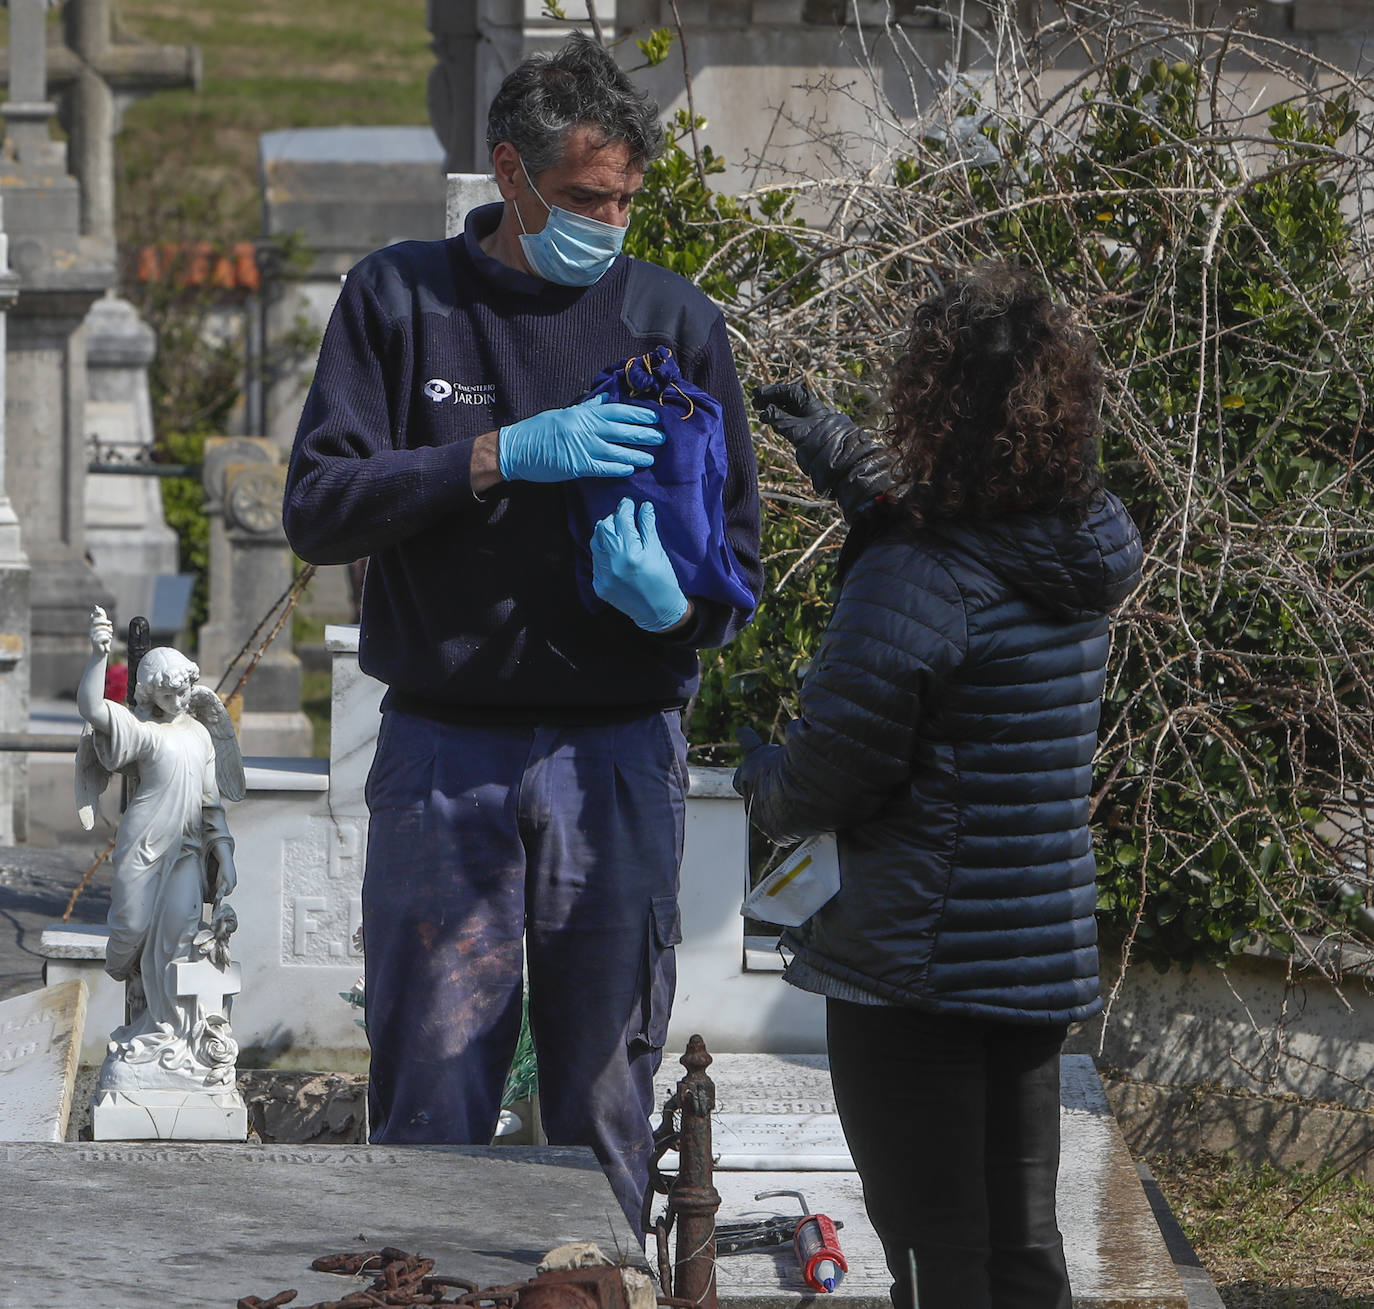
(591, 439)
(631, 571)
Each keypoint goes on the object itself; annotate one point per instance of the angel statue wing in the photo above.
(92, 777)
(209, 709)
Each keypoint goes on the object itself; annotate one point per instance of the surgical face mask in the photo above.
(571, 250)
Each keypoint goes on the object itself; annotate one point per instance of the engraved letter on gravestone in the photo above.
(322, 876)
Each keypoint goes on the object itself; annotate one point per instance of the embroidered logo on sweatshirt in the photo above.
(459, 393)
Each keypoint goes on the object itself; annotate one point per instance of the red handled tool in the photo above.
(817, 1245)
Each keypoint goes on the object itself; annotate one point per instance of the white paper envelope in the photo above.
(798, 886)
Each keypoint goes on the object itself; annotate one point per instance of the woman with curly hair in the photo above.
(946, 737)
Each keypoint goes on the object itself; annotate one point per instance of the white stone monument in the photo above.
(169, 1071)
(127, 536)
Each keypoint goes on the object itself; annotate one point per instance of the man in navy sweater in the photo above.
(527, 795)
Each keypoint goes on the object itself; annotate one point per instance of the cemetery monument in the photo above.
(170, 1070)
(61, 274)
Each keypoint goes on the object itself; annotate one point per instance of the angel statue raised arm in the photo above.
(173, 855)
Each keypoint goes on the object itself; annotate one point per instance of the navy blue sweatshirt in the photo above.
(471, 608)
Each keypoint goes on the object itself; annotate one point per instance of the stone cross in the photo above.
(28, 108)
(101, 76)
(208, 985)
(60, 276)
(99, 72)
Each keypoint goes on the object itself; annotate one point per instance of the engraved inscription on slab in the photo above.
(322, 878)
(761, 1083)
(754, 1142)
(40, 1039)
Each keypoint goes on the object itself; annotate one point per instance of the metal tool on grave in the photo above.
(761, 1233)
(818, 1248)
(692, 1197)
(140, 641)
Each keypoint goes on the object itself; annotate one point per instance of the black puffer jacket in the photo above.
(947, 733)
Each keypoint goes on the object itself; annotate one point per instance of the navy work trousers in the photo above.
(490, 843)
(954, 1127)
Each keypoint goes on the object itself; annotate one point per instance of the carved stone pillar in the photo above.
(60, 275)
(250, 570)
(14, 611)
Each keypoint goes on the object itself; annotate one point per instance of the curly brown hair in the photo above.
(994, 404)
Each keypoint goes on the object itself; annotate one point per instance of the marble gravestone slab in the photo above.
(204, 1225)
(773, 1112)
(770, 1106)
(40, 1039)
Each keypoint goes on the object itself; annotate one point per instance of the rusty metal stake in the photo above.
(693, 1198)
(140, 641)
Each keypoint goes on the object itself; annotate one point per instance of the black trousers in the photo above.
(954, 1127)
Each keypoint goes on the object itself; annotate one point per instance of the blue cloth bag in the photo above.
(685, 483)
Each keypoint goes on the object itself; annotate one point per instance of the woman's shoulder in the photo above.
(903, 591)
(890, 549)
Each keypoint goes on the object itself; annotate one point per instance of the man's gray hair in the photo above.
(579, 83)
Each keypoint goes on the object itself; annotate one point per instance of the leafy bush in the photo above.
(726, 245)
(1226, 269)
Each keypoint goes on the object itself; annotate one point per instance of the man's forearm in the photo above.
(485, 470)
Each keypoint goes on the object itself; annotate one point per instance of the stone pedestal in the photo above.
(169, 1116)
(250, 571)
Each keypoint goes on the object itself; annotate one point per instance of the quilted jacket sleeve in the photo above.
(897, 630)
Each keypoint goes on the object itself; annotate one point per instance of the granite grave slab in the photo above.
(202, 1225)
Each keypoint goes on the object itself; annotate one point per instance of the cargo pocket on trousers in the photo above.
(660, 973)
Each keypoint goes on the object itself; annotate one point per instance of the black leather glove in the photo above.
(841, 459)
(755, 755)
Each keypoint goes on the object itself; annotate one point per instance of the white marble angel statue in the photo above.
(172, 856)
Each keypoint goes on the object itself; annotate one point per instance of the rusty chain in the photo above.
(401, 1279)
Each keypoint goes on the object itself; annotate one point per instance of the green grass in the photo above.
(189, 160)
(1258, 1255)
(316, 686)
(315, 690)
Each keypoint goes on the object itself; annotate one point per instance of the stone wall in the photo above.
(763, 68)
(1325, 27)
